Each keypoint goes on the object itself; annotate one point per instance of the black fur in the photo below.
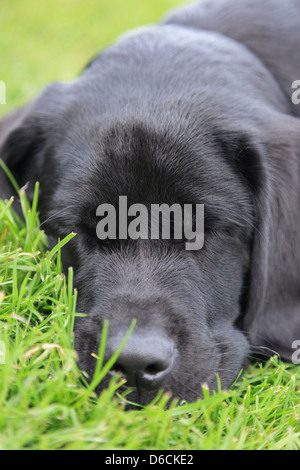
(196, 109)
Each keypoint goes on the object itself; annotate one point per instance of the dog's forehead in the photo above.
(147, 162)
(149, 165)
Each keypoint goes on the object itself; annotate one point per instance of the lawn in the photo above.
(45, 402)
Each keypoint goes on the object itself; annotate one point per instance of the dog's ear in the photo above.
(272, 318)
(24, 134)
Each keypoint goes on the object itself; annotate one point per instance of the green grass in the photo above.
(44, 400)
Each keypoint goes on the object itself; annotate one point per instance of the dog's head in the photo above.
(129, 127)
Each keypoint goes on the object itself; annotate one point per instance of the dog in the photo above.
(198, 110)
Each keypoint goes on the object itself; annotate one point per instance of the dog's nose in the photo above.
(145, 361)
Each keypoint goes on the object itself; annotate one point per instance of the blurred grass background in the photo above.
(42, 41)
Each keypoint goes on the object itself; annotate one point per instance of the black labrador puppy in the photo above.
(199, 109)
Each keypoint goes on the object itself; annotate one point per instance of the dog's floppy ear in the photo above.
(272, 318)
(23, 139)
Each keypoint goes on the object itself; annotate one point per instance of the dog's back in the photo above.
(269, 28)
